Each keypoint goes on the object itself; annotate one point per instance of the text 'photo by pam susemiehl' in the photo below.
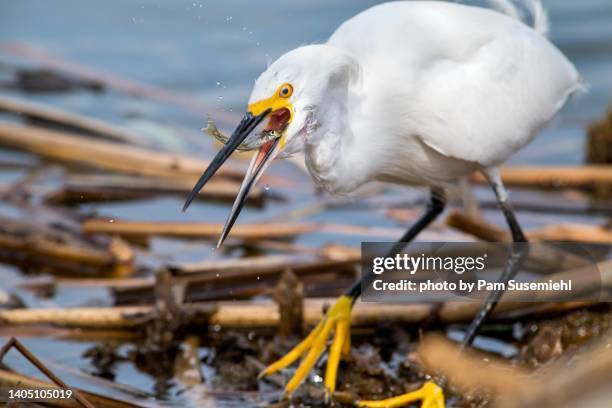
(468, 271)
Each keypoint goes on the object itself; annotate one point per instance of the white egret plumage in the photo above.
(411, 92)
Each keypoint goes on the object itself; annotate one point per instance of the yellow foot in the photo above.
(338, 319)
(430, 395)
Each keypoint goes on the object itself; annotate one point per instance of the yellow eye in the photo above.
(285, 91)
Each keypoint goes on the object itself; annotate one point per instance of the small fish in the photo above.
(252, 142)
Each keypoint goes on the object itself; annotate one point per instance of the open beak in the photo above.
(245, 127)
(260, 162)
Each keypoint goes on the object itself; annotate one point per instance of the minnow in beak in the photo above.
(260, 162)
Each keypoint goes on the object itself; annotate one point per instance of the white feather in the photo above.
(420, 92)
(539, 16)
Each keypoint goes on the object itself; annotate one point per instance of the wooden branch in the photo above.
(585, 280)
(441, 356)
(72, 334)
(477, 227)
(580, 386)
(250, 314)
(586, 384)
(238, 314)
(62, 251)
(232, 278)
(105, 187)
(562, 232)
(572, 232)
(250, 266)
(541, 256)
(104, 155)
(242, 231)
(318, 275)
(552, 205)
(65, 118)
(194, 230)
(588, 177)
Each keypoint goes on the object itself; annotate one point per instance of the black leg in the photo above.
(516, 259)
(435, 206)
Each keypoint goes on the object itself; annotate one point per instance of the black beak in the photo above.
(245, 127)
(258, 164)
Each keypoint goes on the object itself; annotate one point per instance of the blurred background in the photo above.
(101, 105)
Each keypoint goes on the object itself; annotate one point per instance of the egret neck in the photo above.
(330, 131)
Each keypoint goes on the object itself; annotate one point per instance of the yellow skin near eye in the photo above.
(279, 100)
(285, 91)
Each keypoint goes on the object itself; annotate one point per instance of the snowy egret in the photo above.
(417, 93)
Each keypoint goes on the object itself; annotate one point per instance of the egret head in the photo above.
(288, 96)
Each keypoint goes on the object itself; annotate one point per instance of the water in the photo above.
(191, 49)
(213, 50)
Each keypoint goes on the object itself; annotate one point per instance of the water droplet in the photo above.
(228, 18)
(217, 275)
(244, 28)
(220, 98)
(267, 187)
(217, 327)
(258, 278)
(111, 220)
